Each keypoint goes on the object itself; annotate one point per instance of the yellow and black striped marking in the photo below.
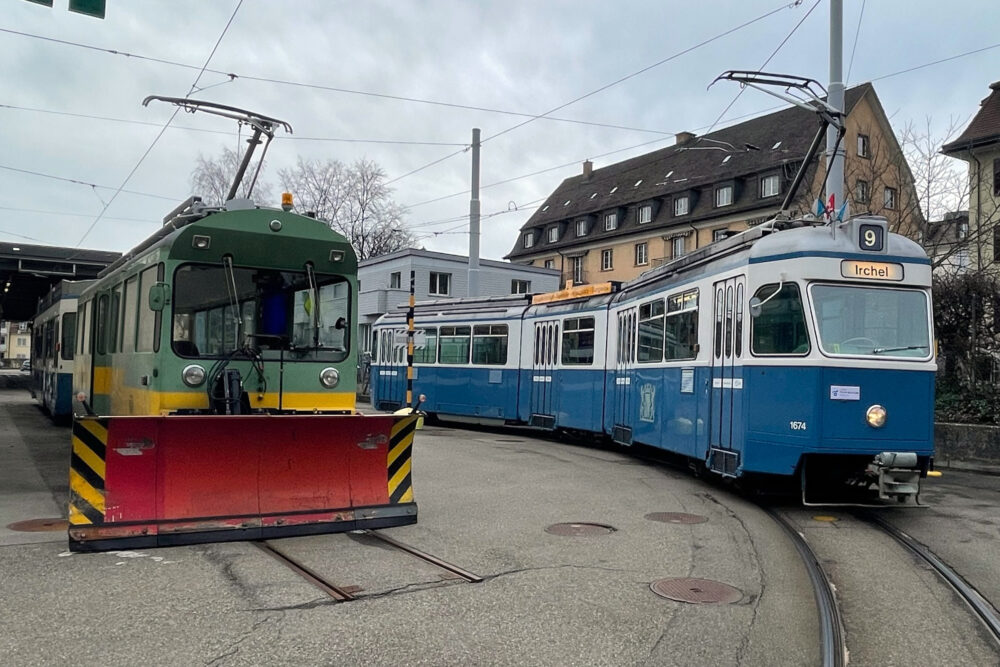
(86, 471)
(400, 451)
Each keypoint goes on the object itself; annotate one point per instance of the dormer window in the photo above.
(669, 174)
(726, 159)
(637, 183)
(681, 205)
(613, 190)
(553, 234)
(775, 146)
(770, 186)
(593, 195)
(645, 214)
(567, 202)
(724, 196)
(581, 227)
(545, 208)
(529, 239)
(610, 222)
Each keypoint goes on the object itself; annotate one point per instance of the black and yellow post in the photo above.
(409, 342)
(87, 471)
(399, 460)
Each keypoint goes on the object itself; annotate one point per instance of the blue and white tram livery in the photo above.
(54, 330)
(797, 352)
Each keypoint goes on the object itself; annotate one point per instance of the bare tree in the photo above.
(212, 178)
(354, 200)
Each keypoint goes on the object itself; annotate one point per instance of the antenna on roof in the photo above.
(260, 123)
(809, 98)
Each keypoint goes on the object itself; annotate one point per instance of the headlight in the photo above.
(876, 416)
(329, 377)
(193, 375)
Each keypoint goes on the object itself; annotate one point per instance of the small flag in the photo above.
(307, 304)
(830, 207)
(819, 207)
(842, 212)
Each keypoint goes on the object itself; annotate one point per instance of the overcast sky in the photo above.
(514, 56)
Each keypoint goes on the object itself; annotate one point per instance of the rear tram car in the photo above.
(52, 349)
(793, 352)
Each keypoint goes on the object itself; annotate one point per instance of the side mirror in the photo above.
(158, 296)
(755, 307)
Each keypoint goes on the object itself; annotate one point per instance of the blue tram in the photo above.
(796, 349)
(52, 348)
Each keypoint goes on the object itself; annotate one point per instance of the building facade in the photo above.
(15, 343)
(616, 222)
(979, 146)
(385, 281)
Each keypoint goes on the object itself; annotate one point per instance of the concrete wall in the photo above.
(967, 446)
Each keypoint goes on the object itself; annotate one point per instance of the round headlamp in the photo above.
(193, 375)
(329, 377)
(876, 416)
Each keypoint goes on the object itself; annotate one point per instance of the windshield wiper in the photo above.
(880, 350)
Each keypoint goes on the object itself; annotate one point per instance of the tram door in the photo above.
(622, 397)
(544, 354)
(726, 392)
(390, 375)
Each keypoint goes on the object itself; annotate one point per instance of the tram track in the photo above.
(979, 606)
(833, 641)
(349, 593)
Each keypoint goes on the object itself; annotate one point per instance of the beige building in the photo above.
(979, 145)
(615, 222)
(15, 343)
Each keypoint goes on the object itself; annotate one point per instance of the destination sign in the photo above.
(871, 270)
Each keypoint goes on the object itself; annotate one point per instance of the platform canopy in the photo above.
(27, 272)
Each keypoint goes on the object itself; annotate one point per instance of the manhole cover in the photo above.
(676, 517)
(696, 591)
(39, 525)
(579, 529)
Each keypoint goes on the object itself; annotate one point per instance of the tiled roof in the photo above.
(727, 156)
(984, 128)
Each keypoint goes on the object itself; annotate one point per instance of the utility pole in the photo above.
(474, 218)
(834, 154)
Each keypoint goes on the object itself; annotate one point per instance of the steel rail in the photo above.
(980, 606)
(833, 644)
(454, 569)
(335, 592)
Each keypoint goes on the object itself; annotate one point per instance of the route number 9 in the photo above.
(872, 237)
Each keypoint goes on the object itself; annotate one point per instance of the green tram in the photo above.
(228, 311)
(214, 384)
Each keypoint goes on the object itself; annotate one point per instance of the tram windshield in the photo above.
(872, 321)
(218, 310)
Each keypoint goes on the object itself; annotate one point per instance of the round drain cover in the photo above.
(696, 591)
(579, 529)
(39, 525)
(676, 517)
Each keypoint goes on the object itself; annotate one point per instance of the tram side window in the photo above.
(147, 318)
(454, 345)
(578, 341)
(780, 328)
(650, 332)
(130, 310)
(113, 323)
(101, 319)
(426, 353)
(68, 335)
(682, 326)
(85, 329)
(489, 344)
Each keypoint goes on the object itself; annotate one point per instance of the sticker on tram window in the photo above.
(871, 270)
(871, 237)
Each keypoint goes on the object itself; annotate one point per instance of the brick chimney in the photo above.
(684, 137)
(588, 169)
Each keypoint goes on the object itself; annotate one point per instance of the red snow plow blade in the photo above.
(156, 481)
